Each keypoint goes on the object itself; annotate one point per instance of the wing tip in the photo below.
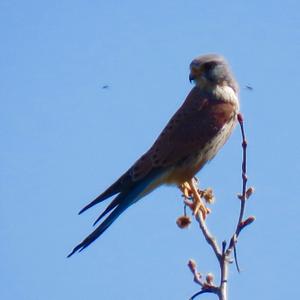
(97, 200)
(83, 210)
(94, 202)
(74, 250)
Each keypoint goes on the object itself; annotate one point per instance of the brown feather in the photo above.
(196, 122)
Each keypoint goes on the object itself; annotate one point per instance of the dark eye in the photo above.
(209, 65)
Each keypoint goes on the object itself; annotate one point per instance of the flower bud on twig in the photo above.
(247, 222)
(249, 192)
(210, 279)
(208, 195)
(192, 265)
(183, 222)
(240, 118)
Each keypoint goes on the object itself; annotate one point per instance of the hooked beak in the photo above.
(191, 77)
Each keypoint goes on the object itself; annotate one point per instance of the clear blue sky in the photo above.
(65, 139)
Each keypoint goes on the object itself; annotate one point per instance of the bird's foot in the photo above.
(197, 205)
(186, 190)
(191, 191)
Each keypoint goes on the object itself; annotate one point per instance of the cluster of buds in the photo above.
(208, 195)
(183, 222)
(209, 279)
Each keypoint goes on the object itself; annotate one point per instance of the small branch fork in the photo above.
(224, 253)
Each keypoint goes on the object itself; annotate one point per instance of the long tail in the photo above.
(112, 190)
(117, 206)
(101, 228)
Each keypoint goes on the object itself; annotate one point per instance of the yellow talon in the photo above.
(185, 189)
(190, 189)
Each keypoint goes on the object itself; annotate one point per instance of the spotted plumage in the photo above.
(191, 138)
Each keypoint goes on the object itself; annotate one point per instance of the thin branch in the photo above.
(204, 291)
(244, 172)
(243, 197)
(197, 276)
(224, 255)
(211, 240)
(237, 265)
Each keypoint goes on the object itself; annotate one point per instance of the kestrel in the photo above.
(192, 137)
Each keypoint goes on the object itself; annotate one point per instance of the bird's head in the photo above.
(210, 70)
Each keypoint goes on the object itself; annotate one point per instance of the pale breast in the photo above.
(192, 137)
(214, 145)
(194, 163)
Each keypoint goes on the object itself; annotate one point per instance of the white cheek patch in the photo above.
(226, 93)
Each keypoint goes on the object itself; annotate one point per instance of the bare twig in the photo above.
(224, 255)
(197, 276)
(211, 240)
(207, 285)
(245, 194)
(203, 291)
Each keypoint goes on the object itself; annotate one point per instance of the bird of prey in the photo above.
(192, 137)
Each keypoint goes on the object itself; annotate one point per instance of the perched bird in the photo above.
(191, 138)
